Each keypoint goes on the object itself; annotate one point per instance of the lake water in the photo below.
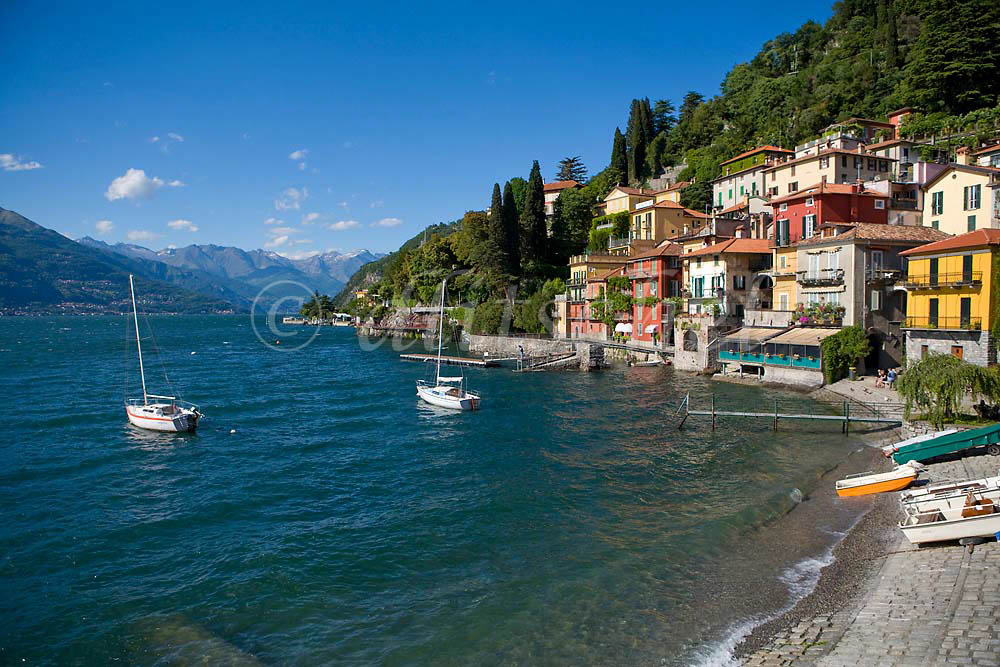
(344, 522)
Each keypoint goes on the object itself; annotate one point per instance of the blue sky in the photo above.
(304, 128)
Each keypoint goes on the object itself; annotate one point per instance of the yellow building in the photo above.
(825, 165)
(963, 198)
(653, 223)
(622, 198)
(672, 193)
(786, 291)
(951, 301)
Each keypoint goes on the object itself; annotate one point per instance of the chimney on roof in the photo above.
(963, 155)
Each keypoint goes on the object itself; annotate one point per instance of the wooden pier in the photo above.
(450, 361)
(851, 411)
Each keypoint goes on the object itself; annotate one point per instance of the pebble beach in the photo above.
(885, 602)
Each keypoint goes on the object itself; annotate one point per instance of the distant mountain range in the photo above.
(43, 271)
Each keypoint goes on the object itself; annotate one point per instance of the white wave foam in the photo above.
(800, 578)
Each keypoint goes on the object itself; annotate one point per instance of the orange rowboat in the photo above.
(867, 482)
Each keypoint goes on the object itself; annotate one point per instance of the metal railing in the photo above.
(821, 277)
(935, 280)
(959, 323)
(618, 242)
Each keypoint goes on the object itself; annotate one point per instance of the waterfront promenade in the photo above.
(937, 605)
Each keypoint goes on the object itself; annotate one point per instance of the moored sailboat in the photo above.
(446, 391)
(164, 413)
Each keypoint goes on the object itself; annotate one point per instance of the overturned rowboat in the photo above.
(864, 483)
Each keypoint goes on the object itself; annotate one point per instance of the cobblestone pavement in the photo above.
(937, 605)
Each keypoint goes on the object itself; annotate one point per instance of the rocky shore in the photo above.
(883, 601)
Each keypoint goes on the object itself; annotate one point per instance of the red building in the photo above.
(582, 323)
(655, 275)
(801, 214)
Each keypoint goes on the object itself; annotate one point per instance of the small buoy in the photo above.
(277, 342)
(231, 431)
(194, 353)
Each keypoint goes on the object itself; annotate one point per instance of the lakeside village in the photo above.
(863, 239)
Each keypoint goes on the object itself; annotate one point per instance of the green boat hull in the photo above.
(988, 436)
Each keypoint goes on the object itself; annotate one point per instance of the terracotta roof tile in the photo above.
(664, 249)
(734, 246)
(761, 149)
(980, 237)
(869, 231)
(827, 188)
(560, 185)
(603, 275)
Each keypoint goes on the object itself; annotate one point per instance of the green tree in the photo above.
(520, 188)
(636, 155)
(513, 231)
(663, 116)
(534, 314)
(842, 350)
(937, 385)
(571, 169)
(532, 223)
(955, 63)
(618, 169)
(497, 230)
(572, 217)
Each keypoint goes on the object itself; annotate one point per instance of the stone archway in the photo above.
(690, 341)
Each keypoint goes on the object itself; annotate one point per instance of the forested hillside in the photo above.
(871, 57)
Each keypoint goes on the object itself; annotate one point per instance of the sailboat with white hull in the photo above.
(164, 413)
(446, 391)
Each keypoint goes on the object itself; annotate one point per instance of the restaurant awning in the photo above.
(753, 333)
(623, 327)
(650, 328)
(803, 336)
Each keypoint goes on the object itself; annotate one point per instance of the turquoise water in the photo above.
(344, 522)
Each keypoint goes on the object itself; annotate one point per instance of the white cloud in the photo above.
(153, 140)
(134, 184)
(10, 162)
(299, 154)
(344, 205)
(342, 225)
(176, 137)
(310, 218)
(104, 226)
(378, 203)
(387, 222)
(141, 235)
(280, 231)
(291, 199)
(274, 221)
(182, 225)
(302, 166)
(277, 241)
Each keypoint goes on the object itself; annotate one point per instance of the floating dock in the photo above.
(451, 361)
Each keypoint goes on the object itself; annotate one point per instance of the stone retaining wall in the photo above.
(504, 346)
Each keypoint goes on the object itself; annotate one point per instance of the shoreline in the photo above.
(847, 580)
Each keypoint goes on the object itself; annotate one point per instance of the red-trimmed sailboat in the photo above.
(164, 413)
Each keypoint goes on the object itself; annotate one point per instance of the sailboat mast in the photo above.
(138, 343)
(437, 380)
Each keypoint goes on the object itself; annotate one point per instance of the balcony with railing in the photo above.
(933, 281)
(636, 274)
(953, 323)
(618, 242)
(820, 277)
(882, 275)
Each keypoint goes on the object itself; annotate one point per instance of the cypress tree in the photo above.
(619, 158)
(497, 230)
(636, 154)
(512, 231)
(648, 131)
(533, 232)
(632, 137)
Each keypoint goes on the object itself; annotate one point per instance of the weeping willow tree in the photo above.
(936, 386)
